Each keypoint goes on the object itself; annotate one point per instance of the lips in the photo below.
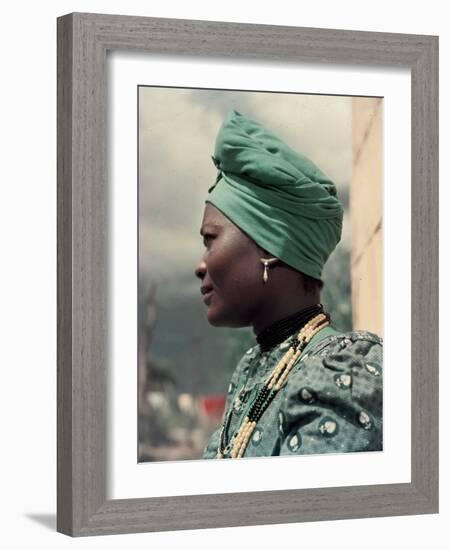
(207, 292)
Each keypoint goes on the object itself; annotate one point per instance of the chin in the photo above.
(220, 319)
(215, 318)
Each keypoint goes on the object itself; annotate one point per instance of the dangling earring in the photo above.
(267, 262)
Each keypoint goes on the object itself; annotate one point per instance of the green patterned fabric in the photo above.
(331, 403)
(275, 195)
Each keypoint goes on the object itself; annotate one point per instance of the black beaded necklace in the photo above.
(280, 330)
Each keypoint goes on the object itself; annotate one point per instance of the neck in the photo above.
(280, 310)
(279, 331)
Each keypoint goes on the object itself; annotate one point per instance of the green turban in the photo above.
(275, 195)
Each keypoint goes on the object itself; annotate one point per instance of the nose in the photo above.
(200, 270)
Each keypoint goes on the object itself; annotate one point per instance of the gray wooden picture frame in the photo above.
(83, 41)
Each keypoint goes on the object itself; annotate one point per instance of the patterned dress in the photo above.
(331, 403)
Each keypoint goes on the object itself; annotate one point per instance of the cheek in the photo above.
(234, 267)
(235, 274)
(220, 261)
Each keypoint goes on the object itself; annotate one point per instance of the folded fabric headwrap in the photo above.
(278, 197)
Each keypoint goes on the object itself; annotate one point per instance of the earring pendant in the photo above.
(267, 262)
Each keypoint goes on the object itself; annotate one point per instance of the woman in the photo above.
(271, 220)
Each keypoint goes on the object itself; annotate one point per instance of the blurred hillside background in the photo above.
(185, 364)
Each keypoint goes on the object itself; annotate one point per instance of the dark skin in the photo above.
(232, 269)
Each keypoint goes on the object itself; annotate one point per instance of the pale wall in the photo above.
(366, 215)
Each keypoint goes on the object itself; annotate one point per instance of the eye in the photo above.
(207, 237)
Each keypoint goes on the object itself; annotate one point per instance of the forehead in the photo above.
(212, 217)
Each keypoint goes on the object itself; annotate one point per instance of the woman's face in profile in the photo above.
(230, 272)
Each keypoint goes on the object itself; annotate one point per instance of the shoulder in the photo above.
(346, 347)
(356, 339)
(337, 383)
(357, 354)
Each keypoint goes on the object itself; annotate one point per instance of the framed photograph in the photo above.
(247, 270)
(187, 351)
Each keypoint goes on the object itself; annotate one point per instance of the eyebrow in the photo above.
(214, 225)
